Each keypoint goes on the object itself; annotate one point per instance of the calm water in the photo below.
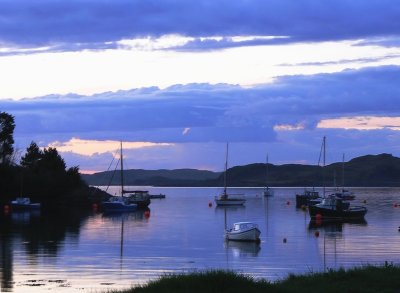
(72, 252)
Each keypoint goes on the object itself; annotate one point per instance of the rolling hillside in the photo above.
(370, 170)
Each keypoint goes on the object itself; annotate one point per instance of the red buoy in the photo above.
(147, 214)
(318, 217)
(210, 204)
(6, 208)
(395, 205)
(288, 202)
(316, 233)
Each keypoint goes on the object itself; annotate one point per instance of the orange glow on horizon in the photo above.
(361, 123)
(92, 147)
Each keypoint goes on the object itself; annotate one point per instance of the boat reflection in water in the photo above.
(242, 249)
(333, 235)
(25, 216)
(334, 226)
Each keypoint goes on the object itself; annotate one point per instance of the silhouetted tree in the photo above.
(52, 161)
(7, 126)
(32, 156)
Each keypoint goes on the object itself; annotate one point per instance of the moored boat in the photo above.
(224, 200)
(118, 204)
(267, 190)
(243, 231)
(308, 197)
(311, 197)
(228, 200)
(24, 203)
(333, 208)
(344, 194)
(139, 197)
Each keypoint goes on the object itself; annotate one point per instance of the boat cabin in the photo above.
(243, 226)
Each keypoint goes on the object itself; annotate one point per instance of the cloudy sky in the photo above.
(175, 80)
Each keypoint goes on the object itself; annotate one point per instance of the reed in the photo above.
(369, 278)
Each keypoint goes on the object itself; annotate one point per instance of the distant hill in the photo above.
(162, 177)
(369, 171)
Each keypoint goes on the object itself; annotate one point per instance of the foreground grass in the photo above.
(365, 279)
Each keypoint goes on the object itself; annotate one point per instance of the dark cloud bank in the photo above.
(80, 24)
(219, 112)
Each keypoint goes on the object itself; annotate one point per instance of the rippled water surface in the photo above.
(93, 252)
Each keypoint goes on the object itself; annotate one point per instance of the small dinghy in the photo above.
(243, 231)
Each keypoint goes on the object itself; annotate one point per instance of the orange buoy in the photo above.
(316, 233)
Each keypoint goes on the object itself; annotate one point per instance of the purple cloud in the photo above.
(76, 24)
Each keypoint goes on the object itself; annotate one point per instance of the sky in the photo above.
(176, 80)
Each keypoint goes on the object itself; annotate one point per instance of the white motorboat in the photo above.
(243, 231)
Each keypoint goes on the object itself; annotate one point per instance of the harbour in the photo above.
(182, 233)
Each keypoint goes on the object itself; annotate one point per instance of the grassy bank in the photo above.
(365, 279)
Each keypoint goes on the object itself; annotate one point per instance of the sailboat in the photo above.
(334, 208)
(310, 197)
(120, 203)
(139, 197)
(344, 193)
(224, 199)
(23, 203)
(267, 191)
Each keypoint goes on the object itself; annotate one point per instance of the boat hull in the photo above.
(268, 192)
(112, 207)
(25, 207)
(230, 202)
(334, 214)
(252, 234)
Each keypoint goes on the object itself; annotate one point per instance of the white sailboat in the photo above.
(228, 200)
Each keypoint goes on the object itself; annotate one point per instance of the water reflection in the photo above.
(334, 226)
(242, 249)
(34, 233)
(333, 245)
(115, 218)
(95, 252)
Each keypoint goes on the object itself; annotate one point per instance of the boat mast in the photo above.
(226, 167)
(343, 172)
(323, 167)
(122, 171)
(266, 174)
